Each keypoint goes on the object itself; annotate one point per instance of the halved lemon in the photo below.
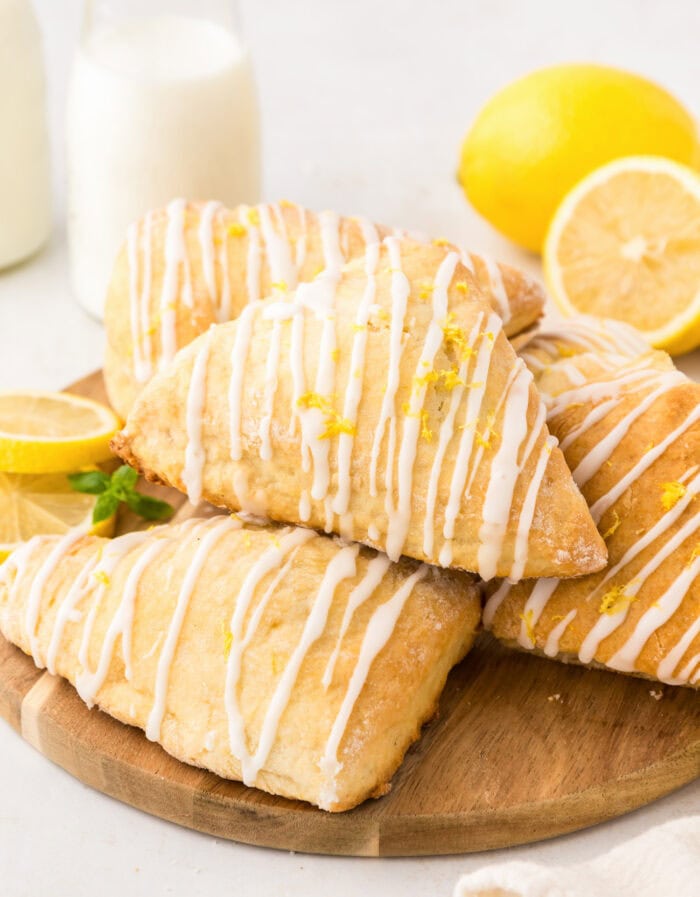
(45, 432)
(625, 244)
(45, 504)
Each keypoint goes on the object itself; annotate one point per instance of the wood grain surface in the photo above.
(523, 749)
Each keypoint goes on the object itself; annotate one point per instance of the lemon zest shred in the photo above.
(441, 241)
(237, 229)
(428, 377)
(672, 493)
(613, 527)
(425, 430)
(450, 379)
(280, 285)
(528, 619)
(253, 217)
(462, 286)
(228, 639)
(101, 577)
(335, 354)
(426, 289)
(335, 423)
(615, 600)
(486, 435)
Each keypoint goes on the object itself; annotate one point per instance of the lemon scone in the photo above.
(630, 431)
(274, 656)
(189, 265)
(388, 407)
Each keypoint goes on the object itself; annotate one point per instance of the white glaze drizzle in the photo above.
(189, 582)
(239, 355)
(379, 630)
(376, 571)
(88, 684)
(279, 254)
(36, 591)
(353, 391)
(466, 444)
(446, 433)
(67, 609)
(551, 648)
(175, 255)
(608, 623)
(497, 288)
(208, 248)
(342, 566)
(141, 366)
(195, 454)
(504, 473)
(223, 311)
(268, 561)
(110, 555)
(400, 291)
(599, 454)
(527, 512)
(599, 507)
(254, 258)
(400, 518)
(659, 613)
(145, 300)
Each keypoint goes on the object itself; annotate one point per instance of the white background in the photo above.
(364, 104)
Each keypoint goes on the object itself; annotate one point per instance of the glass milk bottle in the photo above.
(162, 104)
(25, 189)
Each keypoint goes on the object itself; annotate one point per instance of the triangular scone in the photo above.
(631, 435)
(273, 656)
(388, 407)
(193, 264)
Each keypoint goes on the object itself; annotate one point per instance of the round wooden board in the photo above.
(523, 749)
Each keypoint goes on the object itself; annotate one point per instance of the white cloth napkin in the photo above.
(663, 862)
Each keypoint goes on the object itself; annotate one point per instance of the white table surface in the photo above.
(364, 105)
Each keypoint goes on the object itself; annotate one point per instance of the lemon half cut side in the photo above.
(45, 432)
(625, 244)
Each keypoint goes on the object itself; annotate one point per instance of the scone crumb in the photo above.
(555, 697)
(656, 695)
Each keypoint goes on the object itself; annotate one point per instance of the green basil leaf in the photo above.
(123, 481)
(105, 506)
(93, 482)
(149, 508)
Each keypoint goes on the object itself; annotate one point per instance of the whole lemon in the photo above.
(540, 135)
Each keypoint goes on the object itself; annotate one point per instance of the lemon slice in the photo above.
(625, 244)
(44, 432)
(32, 505)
